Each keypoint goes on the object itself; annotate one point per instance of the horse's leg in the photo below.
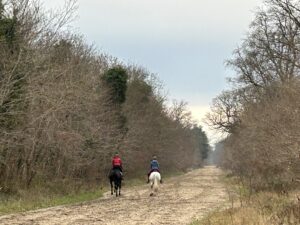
(120, 186)
(111, 186)
(116, 188)
(155, 184)
(151, 188)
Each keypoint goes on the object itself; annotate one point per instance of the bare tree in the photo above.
(260, 112)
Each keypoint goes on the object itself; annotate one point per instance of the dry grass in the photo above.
(263, 208)
(37, 198)
(242, 216)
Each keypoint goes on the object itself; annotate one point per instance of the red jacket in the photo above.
(117, 161)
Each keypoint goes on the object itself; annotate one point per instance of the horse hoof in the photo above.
(151, 195)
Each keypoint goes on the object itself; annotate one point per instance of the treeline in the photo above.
(65, 108)
(261, 113)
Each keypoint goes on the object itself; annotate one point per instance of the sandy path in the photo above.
(179, 201)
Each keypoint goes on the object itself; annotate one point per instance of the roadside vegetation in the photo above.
(260, 115)
(63, 193)
(65, 108)
(38, 198)
(259, 208)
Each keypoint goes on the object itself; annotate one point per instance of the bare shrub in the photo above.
(59, 115)
(260, 114)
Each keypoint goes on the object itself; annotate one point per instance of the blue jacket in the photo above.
(154, 165)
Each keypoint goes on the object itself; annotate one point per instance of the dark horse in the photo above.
(115, 179)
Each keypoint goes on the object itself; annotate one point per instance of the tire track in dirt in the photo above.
(180, 200)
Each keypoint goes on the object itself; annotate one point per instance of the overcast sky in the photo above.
(184, 42)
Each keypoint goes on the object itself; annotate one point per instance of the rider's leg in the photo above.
(148, 181)
(121, 172)
(110, 173)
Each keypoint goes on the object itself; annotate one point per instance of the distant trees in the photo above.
(203, 142)
(65, 109)
(260, 112)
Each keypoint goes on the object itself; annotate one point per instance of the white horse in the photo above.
(154, 181)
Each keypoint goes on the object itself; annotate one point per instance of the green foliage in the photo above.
(12, 102)
(8, 29)
(116, 79)
(1, 9)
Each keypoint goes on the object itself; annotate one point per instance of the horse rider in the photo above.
(117, 164)
(154, 166)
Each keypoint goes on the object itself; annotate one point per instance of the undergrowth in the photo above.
(258, 208)
(47, 195)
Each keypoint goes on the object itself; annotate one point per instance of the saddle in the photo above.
(154, 170)
(114, 172)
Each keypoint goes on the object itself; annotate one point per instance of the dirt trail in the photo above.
(179, 201)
